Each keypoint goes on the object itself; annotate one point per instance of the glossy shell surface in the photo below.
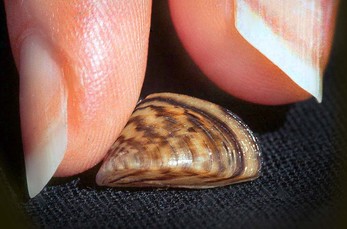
(174, 140)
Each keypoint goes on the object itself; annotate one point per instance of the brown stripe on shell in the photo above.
(175, 140)
(216, 121)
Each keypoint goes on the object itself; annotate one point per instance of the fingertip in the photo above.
(86, 67)
(207, 31)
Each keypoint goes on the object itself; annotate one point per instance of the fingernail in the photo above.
(288, 33)
(43, 108)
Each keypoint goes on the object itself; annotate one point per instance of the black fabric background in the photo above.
(303, 145)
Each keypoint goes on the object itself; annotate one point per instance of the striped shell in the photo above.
(179, 141)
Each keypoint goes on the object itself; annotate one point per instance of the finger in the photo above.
(237, 65)
(81, 66)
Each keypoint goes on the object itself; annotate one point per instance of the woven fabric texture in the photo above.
(302, 158)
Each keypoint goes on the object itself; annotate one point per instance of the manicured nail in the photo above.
(288, 33)
(43, 111)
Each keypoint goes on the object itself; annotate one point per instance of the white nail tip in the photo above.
(43, 106)
(42, 162)
(293, 57)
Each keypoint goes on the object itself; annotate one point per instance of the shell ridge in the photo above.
(212, 118)
(229, 131)
(239, 166)
(211, 142)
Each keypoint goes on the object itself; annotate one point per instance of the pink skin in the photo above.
(207, 31)
(102, 52)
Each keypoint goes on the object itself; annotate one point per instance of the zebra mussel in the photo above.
(174, 140)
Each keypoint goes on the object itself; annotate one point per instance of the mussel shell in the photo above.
(174, 140)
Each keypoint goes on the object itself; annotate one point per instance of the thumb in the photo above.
(268, 52)
(81, 66)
